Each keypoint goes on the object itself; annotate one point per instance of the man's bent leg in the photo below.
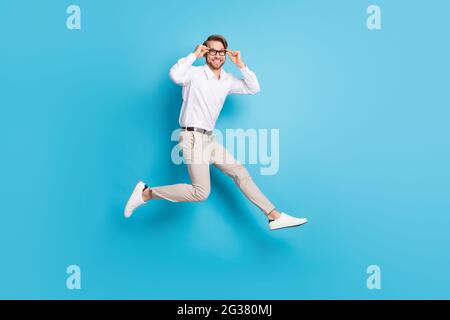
(196, 153)
(199, 190)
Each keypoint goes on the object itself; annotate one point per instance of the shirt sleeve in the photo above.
(247, 85)
(181, 71)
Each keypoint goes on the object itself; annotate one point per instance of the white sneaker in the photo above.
(285, 221)
(135, 199)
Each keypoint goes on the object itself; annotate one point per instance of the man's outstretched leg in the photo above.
(226, 163)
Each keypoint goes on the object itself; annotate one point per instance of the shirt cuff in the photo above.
(191, 58)
(244, 69)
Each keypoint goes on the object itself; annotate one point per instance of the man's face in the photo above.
(216, 61)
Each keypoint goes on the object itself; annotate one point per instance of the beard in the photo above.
(215, 64)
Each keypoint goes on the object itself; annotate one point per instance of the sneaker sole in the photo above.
(136, 189)
(293, 226)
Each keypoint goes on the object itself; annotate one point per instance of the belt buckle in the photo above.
(202, 131)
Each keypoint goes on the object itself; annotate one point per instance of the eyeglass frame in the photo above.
(218, 51)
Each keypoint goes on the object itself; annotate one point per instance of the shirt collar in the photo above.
(210, 74)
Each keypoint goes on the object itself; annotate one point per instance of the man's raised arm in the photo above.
(180, 71)
(249, 83)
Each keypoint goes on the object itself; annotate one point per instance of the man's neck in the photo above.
(215, 71)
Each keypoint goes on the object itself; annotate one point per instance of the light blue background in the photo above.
(364, 153)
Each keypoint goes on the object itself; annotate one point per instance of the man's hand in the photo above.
(201, 50)
(236, 58)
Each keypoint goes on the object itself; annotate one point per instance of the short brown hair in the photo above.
(217, 37)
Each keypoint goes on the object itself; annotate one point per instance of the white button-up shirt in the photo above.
(204, 94)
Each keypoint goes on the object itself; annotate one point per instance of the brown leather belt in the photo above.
(198, 130)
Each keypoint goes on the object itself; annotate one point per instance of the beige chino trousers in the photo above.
(199, 151)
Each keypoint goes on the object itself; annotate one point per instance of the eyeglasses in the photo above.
(213, 52)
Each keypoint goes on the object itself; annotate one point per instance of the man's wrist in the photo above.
(241, 65)
(192, 56)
